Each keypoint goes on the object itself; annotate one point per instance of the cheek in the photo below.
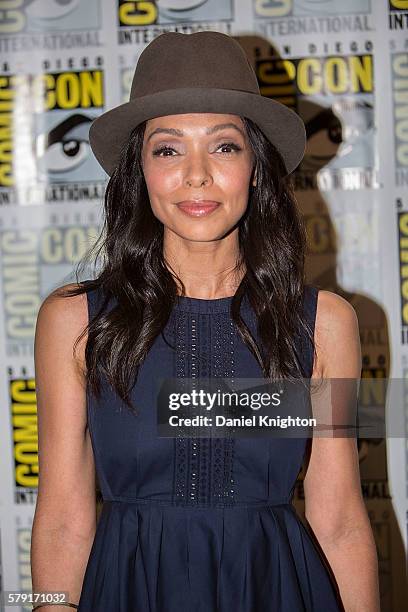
(161, 183)
(234, 181)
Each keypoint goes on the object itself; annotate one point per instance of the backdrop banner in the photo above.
(342, 65)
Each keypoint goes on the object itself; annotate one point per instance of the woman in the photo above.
(202, 277)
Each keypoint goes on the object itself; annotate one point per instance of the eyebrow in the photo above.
(211, 130)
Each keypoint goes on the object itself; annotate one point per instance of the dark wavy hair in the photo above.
(272, 247)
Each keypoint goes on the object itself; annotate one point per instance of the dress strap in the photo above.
(310, 309)
(94, 298)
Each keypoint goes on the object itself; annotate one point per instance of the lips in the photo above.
(198, 208)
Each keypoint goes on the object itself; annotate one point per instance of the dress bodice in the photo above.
(199, 340)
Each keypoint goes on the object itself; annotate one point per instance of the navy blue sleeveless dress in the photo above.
(198, 524)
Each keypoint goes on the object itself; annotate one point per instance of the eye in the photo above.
(230, 145)
(157, 152)
(166, 149)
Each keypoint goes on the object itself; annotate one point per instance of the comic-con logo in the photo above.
(23, 407)
(151, 12)
(71, 100)
(48, 15)
(341, 87)
(63, 105)
(41, 250)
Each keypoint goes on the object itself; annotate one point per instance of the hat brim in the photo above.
(281, 125)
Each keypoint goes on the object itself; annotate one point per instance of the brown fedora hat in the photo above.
(203, 72)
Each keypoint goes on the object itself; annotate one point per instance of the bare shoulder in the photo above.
(61, 301)
(336, 337)
(59, 305)
(64, 317)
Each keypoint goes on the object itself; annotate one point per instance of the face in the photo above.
(197, 157)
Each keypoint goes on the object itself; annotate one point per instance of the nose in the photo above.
(197, 172)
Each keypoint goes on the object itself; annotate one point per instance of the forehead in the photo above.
(193, 121)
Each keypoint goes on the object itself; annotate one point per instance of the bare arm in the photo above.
(65, 514)
(334, 505)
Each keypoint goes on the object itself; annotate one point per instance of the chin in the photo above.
(202, 237)
(200, 234)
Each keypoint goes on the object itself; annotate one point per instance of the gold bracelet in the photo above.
(71, 605)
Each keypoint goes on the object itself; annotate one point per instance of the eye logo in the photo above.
(65, 146)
